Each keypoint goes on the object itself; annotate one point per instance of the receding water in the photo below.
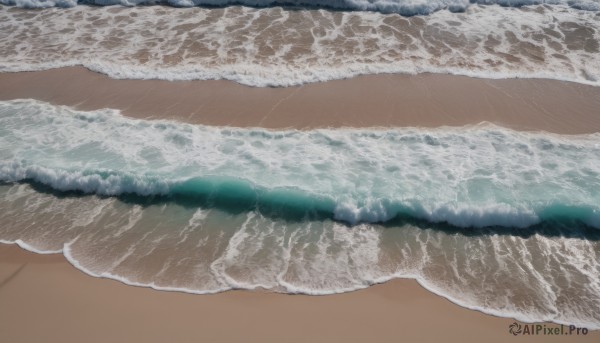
(282, 47)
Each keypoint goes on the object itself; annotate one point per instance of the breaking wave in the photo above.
(281, 47)
(470, 177)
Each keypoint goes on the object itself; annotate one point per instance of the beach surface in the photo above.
(424, 100)
(44, 299)
(335, 171)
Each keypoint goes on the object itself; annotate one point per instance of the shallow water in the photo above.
(493, 219)
(283, 47)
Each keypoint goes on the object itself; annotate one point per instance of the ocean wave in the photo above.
(278, 47)
(204, 251)
(235, 194)
(473, 177)
(403, 7)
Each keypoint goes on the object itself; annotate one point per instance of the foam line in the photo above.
(469, 177)
(66, 251)
(305, 46)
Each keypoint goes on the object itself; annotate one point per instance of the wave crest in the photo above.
(469, 177)
(235, 194)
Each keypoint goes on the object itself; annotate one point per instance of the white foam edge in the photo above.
(73, 261)
(431, 288)
(290, 289)
(30, 248)
(482, 125)
(172, 74)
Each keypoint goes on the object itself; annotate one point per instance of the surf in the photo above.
(479, 176)
(279, 47)
(493, 219)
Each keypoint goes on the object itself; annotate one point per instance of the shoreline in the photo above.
(424, 100)
(33, 286)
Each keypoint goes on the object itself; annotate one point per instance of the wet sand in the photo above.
(44, 299)
(425, 100)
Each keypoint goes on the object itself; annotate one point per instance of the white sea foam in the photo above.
(107, 275)
(28, 247)
(277, 47)
(334, 259)
(473, 177)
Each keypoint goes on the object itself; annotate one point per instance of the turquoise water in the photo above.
(493, 219)
(468, 177)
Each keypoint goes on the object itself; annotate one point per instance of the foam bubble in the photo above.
(173, 246)
(277, 47)
(26, 246)
(469, 177)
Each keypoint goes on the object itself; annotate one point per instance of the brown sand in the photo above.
(45, 299)
(426, 100)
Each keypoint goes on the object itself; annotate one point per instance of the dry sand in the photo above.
(44, 299)
(426, 100)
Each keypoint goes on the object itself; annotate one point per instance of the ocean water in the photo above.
(502, 221)
(275, 46)
(497, 220)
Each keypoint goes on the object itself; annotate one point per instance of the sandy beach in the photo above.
(44, 299)
(424, 100)
(299, 171)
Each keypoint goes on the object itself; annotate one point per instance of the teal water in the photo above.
(467, 177)
(501, 221)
